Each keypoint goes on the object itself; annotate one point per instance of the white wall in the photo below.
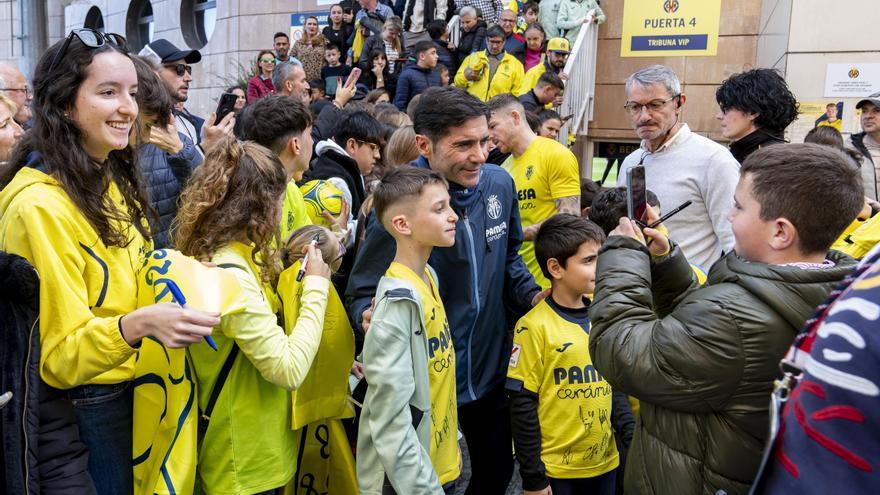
(773, 33)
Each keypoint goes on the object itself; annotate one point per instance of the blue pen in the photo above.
(181, 300)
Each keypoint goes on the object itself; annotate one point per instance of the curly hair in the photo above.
(59, 143)
(234, 195)
(762, 92)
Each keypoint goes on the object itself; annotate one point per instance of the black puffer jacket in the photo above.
(470, 42)
(166, 177)
(701, 360)
(49, 457)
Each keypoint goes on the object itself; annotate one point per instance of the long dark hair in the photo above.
(367, 67)
(59, 143)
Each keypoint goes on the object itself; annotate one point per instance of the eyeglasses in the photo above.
(90, 38)
(373, 146)
(267, 60)
(179, 69)
(634, 108)
(26, 90)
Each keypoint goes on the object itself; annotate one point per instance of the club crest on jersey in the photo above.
(493, 207)
(529, 171)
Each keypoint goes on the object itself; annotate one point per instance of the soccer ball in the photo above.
(320, 196)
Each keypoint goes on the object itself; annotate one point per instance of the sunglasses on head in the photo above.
(179, 69)
(90, 38)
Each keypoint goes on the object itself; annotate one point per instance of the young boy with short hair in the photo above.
(335, 71)
(702, 360)
(560, 404)
(418, 75)
(409, 423)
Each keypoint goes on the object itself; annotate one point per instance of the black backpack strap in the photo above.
(205, 416)
(221, 380)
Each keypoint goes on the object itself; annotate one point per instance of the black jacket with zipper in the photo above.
(41, 451)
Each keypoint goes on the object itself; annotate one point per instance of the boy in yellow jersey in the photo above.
(408, 436)
(560, 405)
(544, 171)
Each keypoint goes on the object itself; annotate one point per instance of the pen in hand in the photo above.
(668, 215)
(305, 262)
(179, 298)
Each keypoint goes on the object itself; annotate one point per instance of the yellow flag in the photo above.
(165, 395)
(325, 463)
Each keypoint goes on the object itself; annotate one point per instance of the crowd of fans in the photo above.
(177, 321)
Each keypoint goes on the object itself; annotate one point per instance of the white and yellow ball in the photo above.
(320, 196)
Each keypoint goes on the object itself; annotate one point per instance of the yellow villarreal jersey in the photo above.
(546, 172)
(293, 211)
(551, 358)
(444, 451)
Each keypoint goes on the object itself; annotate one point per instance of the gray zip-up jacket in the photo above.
(395, 427)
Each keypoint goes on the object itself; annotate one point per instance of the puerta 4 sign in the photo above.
(654, 28)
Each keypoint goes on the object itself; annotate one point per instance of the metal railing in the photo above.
(580, 87)
(454, 30)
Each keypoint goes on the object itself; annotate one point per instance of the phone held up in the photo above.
(636, 194)
(226, 105)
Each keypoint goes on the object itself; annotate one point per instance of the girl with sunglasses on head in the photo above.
(73, 204)
(261, 84)
(230, 215)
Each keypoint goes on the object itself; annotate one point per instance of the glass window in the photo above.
(139, 25)
(197, 20)
(94, 20)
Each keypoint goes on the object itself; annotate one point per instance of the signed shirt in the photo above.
(444, 452)
(551, 358)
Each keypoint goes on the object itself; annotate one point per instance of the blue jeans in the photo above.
(104, 415)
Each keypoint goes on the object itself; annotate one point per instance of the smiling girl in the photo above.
(73, 204)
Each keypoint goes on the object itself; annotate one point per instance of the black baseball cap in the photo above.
(162, 51)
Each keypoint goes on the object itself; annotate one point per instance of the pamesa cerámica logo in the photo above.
(670, 6)
(853, 73)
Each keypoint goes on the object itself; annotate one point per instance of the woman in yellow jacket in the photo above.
(229, 215)
(73, 204)
(490, 72)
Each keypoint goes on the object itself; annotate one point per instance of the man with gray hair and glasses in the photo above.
(14, 85)
(681, 166)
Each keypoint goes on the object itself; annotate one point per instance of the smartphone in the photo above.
(636, 194)
(226, 105)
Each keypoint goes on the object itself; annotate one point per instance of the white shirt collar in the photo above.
(683, 133)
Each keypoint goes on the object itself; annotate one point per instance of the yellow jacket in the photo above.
(85, 287)
(859, 238)
(507, 78)
(530, 79)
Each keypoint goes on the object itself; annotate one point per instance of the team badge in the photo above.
(493, 207)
